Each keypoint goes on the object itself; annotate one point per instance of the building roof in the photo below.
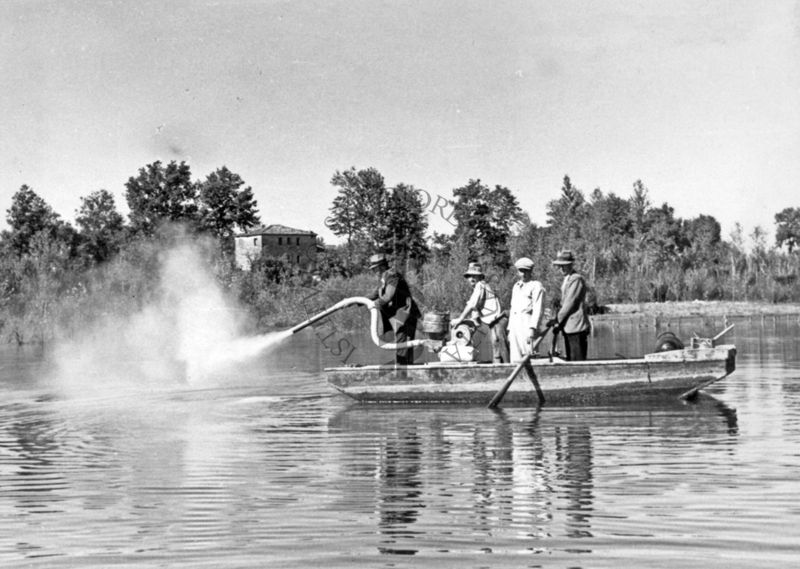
(275, 229)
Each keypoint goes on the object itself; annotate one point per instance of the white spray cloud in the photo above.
(189, 333)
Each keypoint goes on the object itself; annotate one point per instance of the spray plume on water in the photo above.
(190, 332)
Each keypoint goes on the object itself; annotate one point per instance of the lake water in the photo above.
(263, 465)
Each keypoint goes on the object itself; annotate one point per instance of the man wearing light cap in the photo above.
(527, 302)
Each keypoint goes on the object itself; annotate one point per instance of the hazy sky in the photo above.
(698, 99)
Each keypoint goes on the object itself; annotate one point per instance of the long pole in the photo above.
(534, 381)
(526, 361)
(502, 391)
(692, 393)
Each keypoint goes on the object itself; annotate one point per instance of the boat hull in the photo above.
(653, 375)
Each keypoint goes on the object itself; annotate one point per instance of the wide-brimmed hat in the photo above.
(524, 264)
(377, 260)
(564, 257)
(473, 270)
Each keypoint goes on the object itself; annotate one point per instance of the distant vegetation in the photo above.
(56, 278)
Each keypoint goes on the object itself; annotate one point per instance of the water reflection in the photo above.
(526, 474)
(574, 458)
(31, 439)
(399, 476)
(119, 460)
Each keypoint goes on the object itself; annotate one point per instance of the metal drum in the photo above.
(435, 325)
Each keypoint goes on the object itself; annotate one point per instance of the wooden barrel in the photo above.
(435, 324)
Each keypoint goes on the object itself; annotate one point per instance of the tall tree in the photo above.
(568, 221)
(226, 207)
(100, 225)
(356, 213)
(701, 237)
(161, 193)
(484, 220)
(404, 224)
(566, 215)
(639, 206)
(703, 231)
(788, 230)
(30, 215)
(612, 213)
(663, 238)
(607, 233)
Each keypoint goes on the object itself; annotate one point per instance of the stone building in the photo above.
(297, 247)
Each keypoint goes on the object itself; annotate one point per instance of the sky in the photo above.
(698, 99)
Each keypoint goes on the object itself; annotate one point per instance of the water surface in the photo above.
(263, 465)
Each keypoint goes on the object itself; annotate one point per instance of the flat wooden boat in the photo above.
(660, 374)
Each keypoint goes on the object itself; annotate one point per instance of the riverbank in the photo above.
(697, 308)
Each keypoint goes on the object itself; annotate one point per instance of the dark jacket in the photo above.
(573, 316)
(393, 298)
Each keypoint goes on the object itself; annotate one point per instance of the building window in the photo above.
(298, 259)
(255, 240)
(280, 240)
(298, 241)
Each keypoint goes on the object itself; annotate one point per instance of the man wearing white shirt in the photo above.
(527, 302)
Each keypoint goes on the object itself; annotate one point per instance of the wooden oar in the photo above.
(692, 393)
(525, 362)
(534, 381)
(502, 391)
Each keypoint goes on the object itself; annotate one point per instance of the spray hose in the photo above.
(374, 314)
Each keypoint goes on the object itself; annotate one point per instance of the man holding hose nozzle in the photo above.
(572, 319)
(398, 309)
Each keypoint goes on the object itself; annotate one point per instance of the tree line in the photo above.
(630, 249)
(159, 193)
(56, 277)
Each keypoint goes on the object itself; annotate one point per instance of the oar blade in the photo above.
(502, 391)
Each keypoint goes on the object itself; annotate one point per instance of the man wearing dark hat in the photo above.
(484, 307)
(572, 318)
(398, 309)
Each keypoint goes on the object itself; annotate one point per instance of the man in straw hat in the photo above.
(527, 302)
(572, 318)
(398, 309)
(484, 307)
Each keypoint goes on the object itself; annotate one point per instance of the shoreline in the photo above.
(697, 308)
